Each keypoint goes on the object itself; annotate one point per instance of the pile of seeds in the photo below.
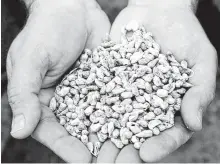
(124, 92)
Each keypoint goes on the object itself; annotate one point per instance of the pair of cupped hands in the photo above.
(53, 38)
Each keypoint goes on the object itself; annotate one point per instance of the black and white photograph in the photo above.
(110, 81)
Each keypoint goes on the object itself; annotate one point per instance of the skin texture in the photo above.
(54, 36)
(178, 30)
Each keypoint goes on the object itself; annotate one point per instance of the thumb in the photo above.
(24, 85)
(198, 98)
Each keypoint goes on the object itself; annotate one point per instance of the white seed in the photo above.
(128, 108)
(115, 133)
(126, 95)
(149, 116)
(132, 26)
(115, 115)
(148, 77)
(133, 116)
(110, 128)
(117, 143)
(124, 140)
(128, 134)
(102, 137)
(135, 57)
(179, 83)
(87, 122)
(84, 139)
(140, 83)
(153, 123)
(187, 85)
(118, 108)
(184, 64)
(140, 99)
(104, 128)
(69, 114)
(99, 83)
(85, 132)
(118, 90)
(125, 119)
(90, 146)
(64, 112)
(142, 123)
(135, 129)
(62, 121)
(161, 127)
(97, 146)
(106, 79)
(74, 122)
(63, 91)
(177, 107)
(141, 106)
(142, 140)
(156, 101)
(95, 127)
(156, 131)
(145, 134)
(102, 120)
(69, 128)
(157, 111)
(134, 139)
(170, 100)
(164, 105)
(71, 77)
(157, 81)
(152, 63)
(126, 102)
(147, 97)
(148, 87)
(112, 100)
(162, 93)
(137, 145)
(110, 86)
(53, 104)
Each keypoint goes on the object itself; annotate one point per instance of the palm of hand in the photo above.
(181, 34)
(41, 55)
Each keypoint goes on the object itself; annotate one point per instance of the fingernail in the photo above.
(18, 123)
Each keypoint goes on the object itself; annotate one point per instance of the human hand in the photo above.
(176, 28)
(54, 36)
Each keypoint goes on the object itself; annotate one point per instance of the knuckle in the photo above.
(14, 98)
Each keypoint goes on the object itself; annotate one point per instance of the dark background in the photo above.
(203, 147)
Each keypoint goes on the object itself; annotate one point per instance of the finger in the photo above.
(129, 155)
(198, 98)
(157, 147)
(194, 104)
(23, 89)
(115, 33)
(100, 25)
(108, 153)
(50, 133)
(45, 95)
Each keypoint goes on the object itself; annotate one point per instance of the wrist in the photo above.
(166, 4)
